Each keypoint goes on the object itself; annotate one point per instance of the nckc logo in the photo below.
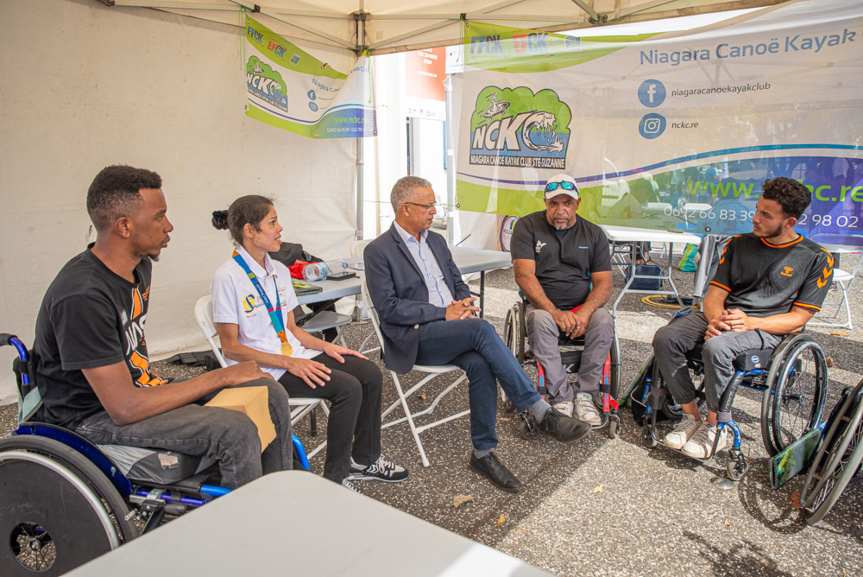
(515, 127)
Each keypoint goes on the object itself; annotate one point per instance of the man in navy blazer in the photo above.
(427, 317)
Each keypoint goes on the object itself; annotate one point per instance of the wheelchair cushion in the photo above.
(154, 466)
(565, 341)
(752, 359)
(745, 361)
(571, 360)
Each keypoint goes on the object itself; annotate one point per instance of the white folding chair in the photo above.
(325, 320)
(841, 280)
(204, 317)
(357, 248)
(432, 372)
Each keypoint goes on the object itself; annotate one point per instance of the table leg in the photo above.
(481, 293)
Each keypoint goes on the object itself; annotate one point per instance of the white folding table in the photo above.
(468, 260)
(623, 241)
(296, 523)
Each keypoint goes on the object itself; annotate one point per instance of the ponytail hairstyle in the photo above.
(251, 209)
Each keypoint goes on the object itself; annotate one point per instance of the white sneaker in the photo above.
(565, 407)
(350, 486)
(682, 432)
(701, 443)
(585, 409)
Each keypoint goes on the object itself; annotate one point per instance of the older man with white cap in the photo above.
(563, 268)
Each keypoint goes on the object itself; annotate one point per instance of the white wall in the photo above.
(85, 86)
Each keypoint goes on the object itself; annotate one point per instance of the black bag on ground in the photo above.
(645, 284)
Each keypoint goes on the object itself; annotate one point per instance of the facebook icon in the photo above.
(651, 93)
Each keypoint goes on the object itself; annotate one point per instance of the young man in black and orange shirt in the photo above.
(769, 283)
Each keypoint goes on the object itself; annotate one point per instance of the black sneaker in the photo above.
(565, 429)
(380, 470)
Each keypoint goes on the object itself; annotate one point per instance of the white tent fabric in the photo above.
(88, 83)
(395, 25)
(85, 86)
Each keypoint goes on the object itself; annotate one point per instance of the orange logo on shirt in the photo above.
(788, 271)
(827, 273)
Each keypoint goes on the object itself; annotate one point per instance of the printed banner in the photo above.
(290, 89)
(673, 131)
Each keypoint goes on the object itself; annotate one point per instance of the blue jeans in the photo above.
(474, 346)
(208, 431)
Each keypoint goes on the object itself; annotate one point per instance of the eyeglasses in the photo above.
(428, 206)
(565, 185)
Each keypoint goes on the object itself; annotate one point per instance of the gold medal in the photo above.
(287, 349)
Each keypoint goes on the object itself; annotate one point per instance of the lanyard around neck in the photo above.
(275, 313)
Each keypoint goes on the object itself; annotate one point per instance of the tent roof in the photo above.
(386, 26)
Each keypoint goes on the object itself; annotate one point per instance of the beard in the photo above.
(766, 233)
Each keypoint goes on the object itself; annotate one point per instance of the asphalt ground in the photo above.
(614, 507)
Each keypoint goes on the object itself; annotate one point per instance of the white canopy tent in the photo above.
(88, 83)
(384, 26)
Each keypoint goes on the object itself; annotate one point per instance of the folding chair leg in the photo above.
(410, 420)
(847, 306)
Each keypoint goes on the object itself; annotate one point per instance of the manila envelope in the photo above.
(252, 402)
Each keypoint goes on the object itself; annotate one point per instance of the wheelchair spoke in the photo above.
(799, 395)
(837, 473)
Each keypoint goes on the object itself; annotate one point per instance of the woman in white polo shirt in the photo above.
(253, 303)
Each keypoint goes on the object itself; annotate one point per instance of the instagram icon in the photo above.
(651, 126)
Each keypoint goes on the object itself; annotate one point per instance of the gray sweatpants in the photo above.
(684, 333)
(543, 332)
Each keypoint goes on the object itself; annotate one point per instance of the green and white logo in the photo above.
(515, 127)
(265, 83)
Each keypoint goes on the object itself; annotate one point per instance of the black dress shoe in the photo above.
(495, 471)
(565, 429)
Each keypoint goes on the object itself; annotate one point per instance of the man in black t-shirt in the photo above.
(561, 262)
(769, 283)
(92, 364)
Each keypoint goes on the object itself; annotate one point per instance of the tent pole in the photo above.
(450, 161)
(361, 38)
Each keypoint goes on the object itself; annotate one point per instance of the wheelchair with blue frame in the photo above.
(792, 378)
(515, 337)
(66, 501)
(838, 457)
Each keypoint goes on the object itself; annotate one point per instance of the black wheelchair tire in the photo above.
(839, 457)
(87, 547)
(737, 469)
(789, 349)
(819, 396)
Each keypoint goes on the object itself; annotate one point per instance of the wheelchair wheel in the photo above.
(669, 410)
(59, 510)
(510, 329)
(737, 469)
(514, 331)
(613, 426)
(838, 459)
(614, 369)
(799, 390)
